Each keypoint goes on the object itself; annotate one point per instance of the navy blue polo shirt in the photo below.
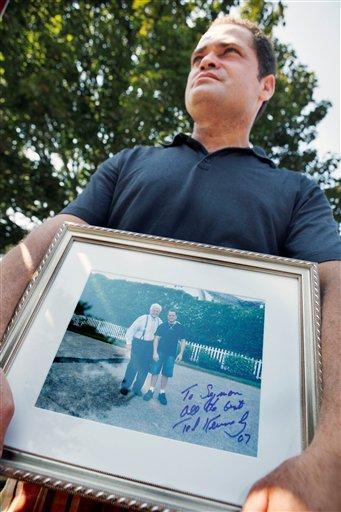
(169, 337)
(233, 197)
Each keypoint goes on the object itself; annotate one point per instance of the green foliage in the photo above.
(207, 362)
(233, 366)
(290, 121)
(82, 80)
(239, 367)
(233, 324)
(82, 308)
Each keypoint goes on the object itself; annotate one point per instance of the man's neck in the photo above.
(214, 138)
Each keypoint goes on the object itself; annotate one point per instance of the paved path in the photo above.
(85, 378)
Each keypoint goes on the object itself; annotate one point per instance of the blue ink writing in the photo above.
(213, 424)
(189, 410)
(213, 411)
(187, 392)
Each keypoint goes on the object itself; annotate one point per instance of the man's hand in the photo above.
(307, 483)
(18, 266)
(155, 356)
(310, 482)
(6, 407)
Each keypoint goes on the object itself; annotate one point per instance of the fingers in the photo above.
(6, 407)
(279, 491)
(257, 501)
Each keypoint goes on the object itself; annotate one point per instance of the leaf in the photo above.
(82, 80)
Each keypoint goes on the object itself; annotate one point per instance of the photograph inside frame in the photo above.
(163, 359)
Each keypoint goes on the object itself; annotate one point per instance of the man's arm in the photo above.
(310, 482)
(155, 347)
(19, 264)
(16, 270)
(182, 349)
(330, 413)
(131, 331)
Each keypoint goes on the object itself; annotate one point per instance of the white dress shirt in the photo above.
(146, 324)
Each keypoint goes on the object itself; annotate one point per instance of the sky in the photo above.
(313, 30)
(318, 46)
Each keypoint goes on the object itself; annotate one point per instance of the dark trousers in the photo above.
(138, 366)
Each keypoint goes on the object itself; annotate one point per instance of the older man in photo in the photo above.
(214, 187)
(139, 340)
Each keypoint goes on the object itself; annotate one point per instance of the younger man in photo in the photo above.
(165, 347)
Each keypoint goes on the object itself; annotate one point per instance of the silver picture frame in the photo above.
(271, 278)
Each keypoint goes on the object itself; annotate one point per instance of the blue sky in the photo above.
(313, 29)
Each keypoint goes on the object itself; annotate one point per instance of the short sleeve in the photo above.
(158, 331)
(182, 333)
(93, 204)
(312, 234)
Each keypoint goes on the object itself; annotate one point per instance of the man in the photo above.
(214, 188)
(139, 339)
(165, 347)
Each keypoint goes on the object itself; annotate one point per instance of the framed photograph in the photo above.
(159, 374)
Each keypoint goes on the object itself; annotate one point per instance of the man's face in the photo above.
(171, 317)
(224, 73)
(154, 311)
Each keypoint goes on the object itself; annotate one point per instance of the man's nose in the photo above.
(210, 60)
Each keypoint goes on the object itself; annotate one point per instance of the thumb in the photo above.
(257, 500)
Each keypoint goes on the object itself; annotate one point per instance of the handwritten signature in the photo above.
(211, 411)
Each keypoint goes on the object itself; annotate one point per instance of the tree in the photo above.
(82, 308)
(290, 121)
(81, 80)
(231, 324)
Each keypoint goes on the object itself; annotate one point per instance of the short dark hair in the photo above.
(262, 44)
(172, 311)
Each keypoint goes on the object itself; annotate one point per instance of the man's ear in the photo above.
(268, 87)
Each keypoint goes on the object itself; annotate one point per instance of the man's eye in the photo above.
(227, 50)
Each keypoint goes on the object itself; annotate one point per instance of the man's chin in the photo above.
(203, 97)
(209, 85)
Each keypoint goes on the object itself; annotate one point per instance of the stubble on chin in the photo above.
(203, 101)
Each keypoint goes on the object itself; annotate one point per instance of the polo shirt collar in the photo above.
(182, 138)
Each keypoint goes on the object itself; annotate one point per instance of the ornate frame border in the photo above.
(178, 246)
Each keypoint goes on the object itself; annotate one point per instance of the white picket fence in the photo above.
(223, 357)
(106, 328)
